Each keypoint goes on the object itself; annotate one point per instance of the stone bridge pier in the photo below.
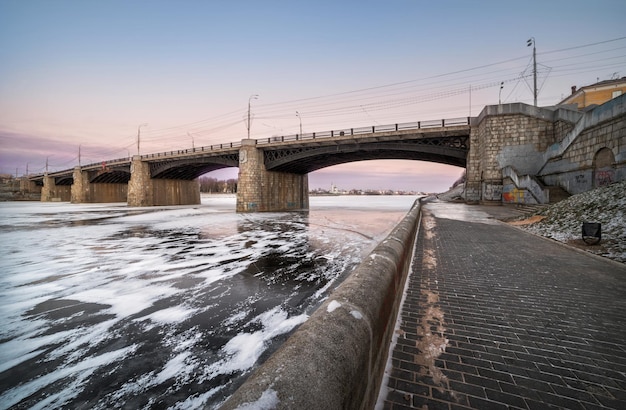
(260, 190)
(143, 190)
(51, 192)
(85, 191)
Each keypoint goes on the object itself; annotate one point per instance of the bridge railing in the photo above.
(295, 137)
(368, 130)
(194, 150)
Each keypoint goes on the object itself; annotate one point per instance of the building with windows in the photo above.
(596, 94)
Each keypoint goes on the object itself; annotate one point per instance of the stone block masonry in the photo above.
(51, 192)
(335, 360)
(260, 190)
(524, 139)
(84, 191)
(143, 190)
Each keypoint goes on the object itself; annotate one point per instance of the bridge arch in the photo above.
(306, 159)
(111, 177)
(190, 168)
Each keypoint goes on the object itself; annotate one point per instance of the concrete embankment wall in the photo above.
(336, 359)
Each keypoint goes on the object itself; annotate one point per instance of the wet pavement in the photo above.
(497, 318)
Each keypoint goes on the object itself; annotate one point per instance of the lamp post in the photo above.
(254, 96)
(193, 145)
(139, 135)
(500, 93)
(300, 118)
(531, 41)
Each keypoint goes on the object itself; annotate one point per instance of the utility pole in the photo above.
(500, 93)
(139, 135)
(47, 165)
(531, 41)
(79, 155)
(193, 145)
(254, 96)
(300, 118)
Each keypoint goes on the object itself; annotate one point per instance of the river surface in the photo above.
(104, 306)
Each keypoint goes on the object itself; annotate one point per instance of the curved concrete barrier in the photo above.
(336, 359)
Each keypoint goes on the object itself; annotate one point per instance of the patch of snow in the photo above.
(356, 314)
(332, 306)
(607, 205)
(268, 400)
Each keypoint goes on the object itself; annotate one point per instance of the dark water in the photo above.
(109, 307)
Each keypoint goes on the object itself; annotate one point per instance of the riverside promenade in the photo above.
(497, 318)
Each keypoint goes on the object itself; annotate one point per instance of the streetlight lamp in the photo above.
(139, 135)
(531, 42)
(500, 93)
(254, 96)
(193, 145)
(300, 118)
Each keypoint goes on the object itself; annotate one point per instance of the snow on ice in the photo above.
(108, 306)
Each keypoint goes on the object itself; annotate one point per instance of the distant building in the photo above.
(596, 94)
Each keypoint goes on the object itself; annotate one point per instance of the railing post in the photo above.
(373, 129)
(351, 131)
(443, 123)
(332, 133)
(396, 127)
(468, 121)
(313, 135)
(419, 125)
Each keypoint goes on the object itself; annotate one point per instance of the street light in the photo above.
(531, 42)
(139, 135)
(193, 145)
(300, 118)
(500, 93)
(254, 96)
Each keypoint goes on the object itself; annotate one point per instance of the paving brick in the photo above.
(412, 388)
(530, 323)
(478, 403)
(506, 398)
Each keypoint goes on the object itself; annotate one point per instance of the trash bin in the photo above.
(592, 233)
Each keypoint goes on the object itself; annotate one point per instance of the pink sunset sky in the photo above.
(90, 73)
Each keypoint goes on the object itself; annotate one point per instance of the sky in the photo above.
(94, 74)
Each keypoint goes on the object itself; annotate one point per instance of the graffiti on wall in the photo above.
(513, 195)
(605, 176)
(581, 179)
(492, 192)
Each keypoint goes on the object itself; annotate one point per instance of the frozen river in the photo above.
(105, 306)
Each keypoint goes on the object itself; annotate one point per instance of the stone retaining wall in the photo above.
(336, 359)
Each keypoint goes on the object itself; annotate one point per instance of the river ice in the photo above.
(105, 306)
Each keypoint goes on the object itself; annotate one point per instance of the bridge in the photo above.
(272, 171)
(511, 152)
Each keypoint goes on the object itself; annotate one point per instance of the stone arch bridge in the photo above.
(273, 172)
(511, 153)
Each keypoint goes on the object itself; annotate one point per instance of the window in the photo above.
(616, 93)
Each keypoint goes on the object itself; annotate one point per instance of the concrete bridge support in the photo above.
(51, 192)
(143, 190)
(84, 191)
(80, 187)
(260, 190)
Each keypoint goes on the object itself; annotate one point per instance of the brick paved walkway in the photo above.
(496, 318)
